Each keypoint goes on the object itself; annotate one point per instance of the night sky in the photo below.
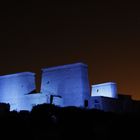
(103, 34)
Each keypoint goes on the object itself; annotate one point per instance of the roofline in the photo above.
(17, 74)
(64, 66)
(103, 84)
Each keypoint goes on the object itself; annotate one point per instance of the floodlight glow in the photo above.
(106, 89)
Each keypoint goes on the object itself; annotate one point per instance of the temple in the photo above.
(66, 85)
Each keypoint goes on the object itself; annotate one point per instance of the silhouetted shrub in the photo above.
(4, 108)
(51, 122)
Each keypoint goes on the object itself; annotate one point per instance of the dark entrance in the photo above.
(52, 96)
(86, 103)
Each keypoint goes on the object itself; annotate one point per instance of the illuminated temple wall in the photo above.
(14, 87)
(68, 81)
(104, 97)
(27, 101)
(106, 90)
(68, 84)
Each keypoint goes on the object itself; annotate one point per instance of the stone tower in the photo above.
(66, 85)
(14, 87)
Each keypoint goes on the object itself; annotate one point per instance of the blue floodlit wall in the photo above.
(68, 81)
(14, 87)
(106, 90)
(96, 103)
(28, 101)
(105, 104)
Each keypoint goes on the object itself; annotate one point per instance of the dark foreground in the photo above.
(48, 122)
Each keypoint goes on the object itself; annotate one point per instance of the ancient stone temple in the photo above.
(66, 85)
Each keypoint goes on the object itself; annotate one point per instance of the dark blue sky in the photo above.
(103, 34)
